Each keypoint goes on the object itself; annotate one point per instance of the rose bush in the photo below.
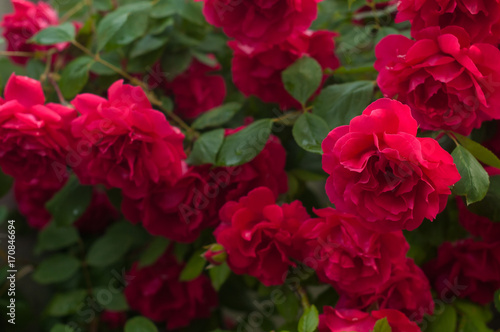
(249, 165)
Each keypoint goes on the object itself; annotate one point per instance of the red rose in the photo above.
(182, 210)
(257, 70)
(342, 320)
(114, 319)
(261, 21)
(481, 18)
(381, 171)
(345, 254)
(122, 142)
(197, 90)
(448, 82)
(257, 235)
(156, 292)
(33, 136)
(407, 290)
(466, 269)
(477, 225)
(32, 197)
(28, 18)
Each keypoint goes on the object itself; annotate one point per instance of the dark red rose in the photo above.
(182, 210)
(257, 70)
(449, 82)
(260, 21)
(345, 254)
(407, 290)
(156, 292)
(31, 198)
(33, 135)
(381, 171)
(342, 320)
(114, 319)
(257, 235)
(477, 225)
(122, 142)
(466, 269)
(197, 90)
(481, 18)
(28, 18)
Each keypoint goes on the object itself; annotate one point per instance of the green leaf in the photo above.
(338, 104)
(309, 320)
(110, 300)
(109, 26)
(288, 309)
(55, 237)
(147, 44)
(382, 325)
(61, 328)
(6, 182)
(246, 144)
(216, 116)
(309, 132)
(35, 68)
(475, 181)
(174, 64)
(100, 69)
(302, 78)
(57, 268)
(109, 248)
(188, 10)
(75, 76)
(218, 275)
(384, 32)
(206, 147)
(140, 324)
(70, 202)
(64, 304)
(194, 267)
(488, 206)
(445, 321)
(102, 5)
(55, 34)
(136, 24)
(155, 249)
(480, 152)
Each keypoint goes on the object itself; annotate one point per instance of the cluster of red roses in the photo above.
(269, 37)
(450, 76)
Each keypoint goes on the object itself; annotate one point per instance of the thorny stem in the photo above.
(58, 90)
(14, 53)
(73, 11)
(288, 116)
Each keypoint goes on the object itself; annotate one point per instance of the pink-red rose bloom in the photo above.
(122, 142)
(258, 235)
(345, 254)
(257, 70)
(407, 290)
(449, 82)
(466, 269)
(27, 19)
(260, 21)
(114, 319)
(156, 293)
(197, 90)
(481, 18)
(34, 136)
(342, 320)
(182, 210)
(381, 171)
